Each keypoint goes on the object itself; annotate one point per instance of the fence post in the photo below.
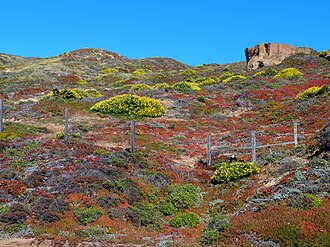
(132, 136)
(1, 114)
(254, 157)
(295, 131)
(209, 155)
(66, 125)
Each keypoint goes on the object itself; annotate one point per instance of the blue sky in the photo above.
(191, 31)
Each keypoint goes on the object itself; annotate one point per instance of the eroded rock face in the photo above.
(269, 54)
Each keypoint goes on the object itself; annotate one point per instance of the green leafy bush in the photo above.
(185, 219)
(208, 237)
(267, 72)
(289, 73)
(305, 201)
(167, 208)
(140, 86)
(146, 215)
(233, 171)
(225, 76)
(314, 91)
(182, 196)
(130, 105)
(186, 87)
(92, 231)
(87, 215)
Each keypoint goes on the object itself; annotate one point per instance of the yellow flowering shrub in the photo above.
(289, 73)
(234, 77)
(109, 70)
(186, 86)
(233, 171)
(314, 91)
(203, 81)
(140, 86)
(324, 53)
(72, 94)
(139, 72)
(82, 82)
(130, 105)
(225, 75)
(161, 86)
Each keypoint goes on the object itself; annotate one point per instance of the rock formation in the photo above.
(269, 54)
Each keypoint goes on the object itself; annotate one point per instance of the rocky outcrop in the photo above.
(269, 54)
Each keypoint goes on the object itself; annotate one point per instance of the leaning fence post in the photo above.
(254, 157)
(132, 136)
(209, 155)
(1, 114)
(295, 131)
(66, 125)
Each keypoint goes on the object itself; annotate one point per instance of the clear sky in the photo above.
(191, 31)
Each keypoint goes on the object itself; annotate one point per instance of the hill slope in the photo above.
(89, 187)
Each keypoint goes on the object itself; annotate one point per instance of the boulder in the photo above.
(269, 54)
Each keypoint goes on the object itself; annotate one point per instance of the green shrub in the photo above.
(139, 72)
(140, 86)
(233, 171)
(183, 196)
(82, 82)
(305, 201)
(185, 219)
(314, 91)
(167, 208)
(189, 72)
(208, 237)
(147, 216)
(234, 78)
(87, 215)
(92, 231)
(161, 86)
(267, 72)
(186, 87)
(289, 73)
(130, 105)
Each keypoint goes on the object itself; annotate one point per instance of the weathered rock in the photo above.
(269, 54)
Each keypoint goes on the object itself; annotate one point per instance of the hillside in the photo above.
(89, 187)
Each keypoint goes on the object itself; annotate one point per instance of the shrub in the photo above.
(186, 86)
(141, 86)
(324, 53)
(109, 70)
(161, 86)
(185, 219)
(145, 215)
(189, 72)
(314, 91)
(87, 215)
(139, 72)
(208, 237)
(267, 72)
(72, 94)
(234, 77)
(305, 201)
(82, 82)
(167, 208)
(225, 75)
(233, 171)
(130, 105)
(203, 81)
(289, 73)
(183, 196)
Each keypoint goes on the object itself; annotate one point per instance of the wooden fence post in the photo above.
(209, 155)
(1, 114)
(254, 156)
(132, 136)
(66, 125)
(295, 131)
